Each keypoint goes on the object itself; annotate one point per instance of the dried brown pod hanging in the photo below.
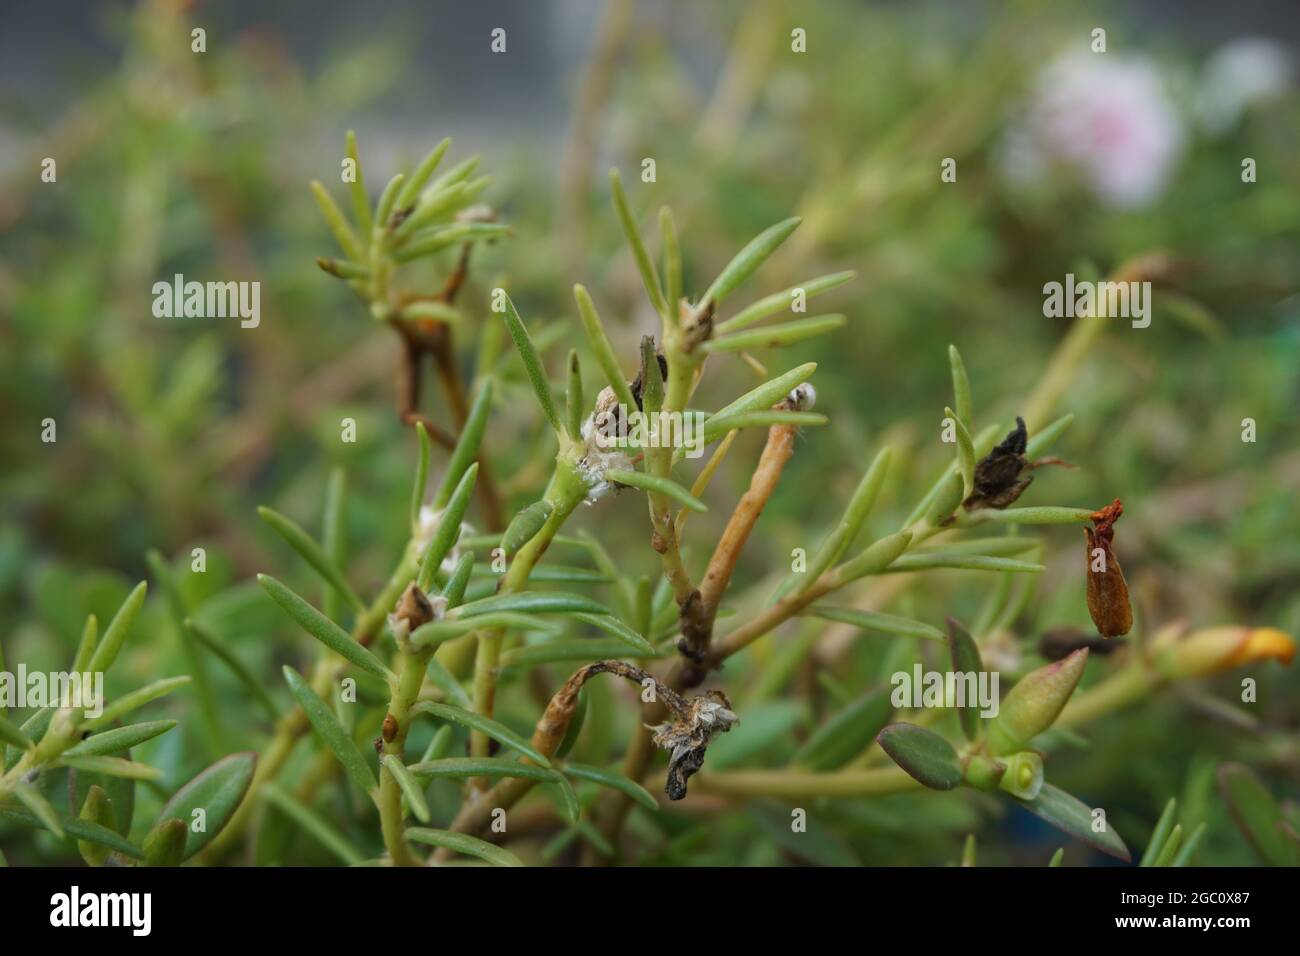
(1108, 601)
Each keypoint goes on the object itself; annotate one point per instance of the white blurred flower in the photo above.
(1241, 73)
(1107, 119)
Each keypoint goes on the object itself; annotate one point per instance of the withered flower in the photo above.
(997, 475)
(687, 736)
(1108, 601)
(997, 480)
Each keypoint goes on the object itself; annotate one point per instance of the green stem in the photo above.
(565, 492)
(798, 784)
(411, 666)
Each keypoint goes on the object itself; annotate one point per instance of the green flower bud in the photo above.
(1024, 775)
(165, 844)
(98, 808)
(1034, 703)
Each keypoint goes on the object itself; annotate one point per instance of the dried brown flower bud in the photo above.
(997, 475)
(390, 727)
(1108, 601)
(413, 607)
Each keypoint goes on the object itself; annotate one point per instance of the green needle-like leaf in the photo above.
(467, 446)
(80, 829)
(967, 562)
(410, 786)
(574, 405)
(769, 393)
(748, 259)
(613, 779)
(780, 301)
(672, 265)
(421, 473)
(493, 767)
(776, 336)
(657, 485)
(644, 264)
(387, 202)
(847, 733)
(334, 218)
(312, 553)
(217, 791)
(965, 452)
(12, 735)
(855, 514)
(467, 845)
(331, 731)
(411, 188)
(111, 643)
(960, 388)
(719, 425)
(119, 738)
(85, 649)
(322, 628)
(876, 621)
(136, 699)
(532, 364)
(578, 649)
(484, 725)
(613, 626)
(113, 767)
(605, 356)
(1072, 816)
(357, 188)
(447, 531)
(1041, 515)
(31, 798)
(965, 655)
(530, 602)
(1160, 834)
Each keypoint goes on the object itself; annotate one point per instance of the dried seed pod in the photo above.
(389, 730)
(1108, 601)
(997, 475)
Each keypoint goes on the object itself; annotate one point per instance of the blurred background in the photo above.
(171, 432)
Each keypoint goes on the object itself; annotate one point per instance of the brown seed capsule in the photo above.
(390, 727)
(1108, 601)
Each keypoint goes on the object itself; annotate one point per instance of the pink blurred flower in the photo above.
(1105, 118)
